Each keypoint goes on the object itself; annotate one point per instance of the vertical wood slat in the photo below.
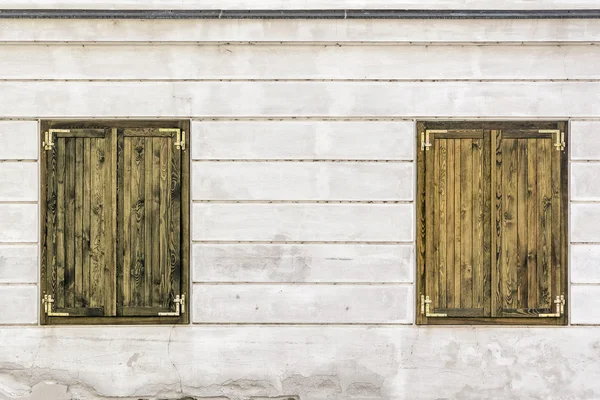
(443, 243)
(451, 294)
(148, 244)
(522, 229)
(545, 223)
(78, 216)
(49, 265)
(137, 223)
(477, 242)
(69, 287)
(59, 282)
(466, 214)
(509, 223)
(532, 223)
(430, 279)
(556, 262)
(155, 220)
(486, 215)
(98, 225)
(497, 297)
(457, 223)
(164, 217)
(126, 217)
(175, 228)
(86, 218)
(110, 198)
(435, 296)
(421, 218)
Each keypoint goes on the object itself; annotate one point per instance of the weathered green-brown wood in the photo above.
(497, 210)
(150, 171)
(81, 189)
(421, 225)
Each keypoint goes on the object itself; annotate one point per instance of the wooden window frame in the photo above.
(183, 318)
(421, 222)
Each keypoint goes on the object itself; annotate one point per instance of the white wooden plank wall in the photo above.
(18, 222)
(304, 4)
(303, 151)
(585, 220)
(276, 32)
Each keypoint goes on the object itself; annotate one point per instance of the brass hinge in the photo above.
(179, 307)
(180, 141)
(47, 301)
(425, 143)
(425, 307)
(559, 303)
(559, 144)
(48, 142)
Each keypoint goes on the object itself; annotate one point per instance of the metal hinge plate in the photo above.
(179, 307)
(559, 303)
(180, 140)
(425, 143)
(559, 143)
(47, 301)
(48, 142)
(425, 308)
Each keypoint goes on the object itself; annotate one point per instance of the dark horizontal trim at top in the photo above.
(299, 14)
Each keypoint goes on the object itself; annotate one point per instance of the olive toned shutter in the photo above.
(149, 220)
(79, 230)
(457, 258)
(529, 220)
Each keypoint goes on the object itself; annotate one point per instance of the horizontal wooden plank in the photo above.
(19, 181)
(18, 264)
(331, 31)
(19, 304)
(306, 140)
(585, 304)
(584, 181)
(284, 263)
(297, 62)
(303, 303)
(299, 99)
(302, 4)
(19, 223)
(302, 181)
(585, 220)
(303, 222)
(19, 140)
(585, 259)
(583, 147)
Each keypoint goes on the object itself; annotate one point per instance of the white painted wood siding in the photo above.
(303, 4)
(515, 31)
(280, 61)
(101, 99)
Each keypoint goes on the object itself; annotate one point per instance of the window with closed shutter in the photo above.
(492, 221)
(114, 222)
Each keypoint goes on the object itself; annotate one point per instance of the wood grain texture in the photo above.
(101, 99)
(359, 62)
(517, 270)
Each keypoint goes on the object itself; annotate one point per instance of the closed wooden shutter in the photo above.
(115, 210)
(149, 209)
(529, 217)
(458, 224)
(79, 227)
(492, 224)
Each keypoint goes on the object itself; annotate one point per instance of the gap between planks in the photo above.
(303, 201)
(299, 242)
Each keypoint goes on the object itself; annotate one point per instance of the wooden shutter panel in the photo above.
(529, 258)
(457, 223)
(149, 267)
(78, 239)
